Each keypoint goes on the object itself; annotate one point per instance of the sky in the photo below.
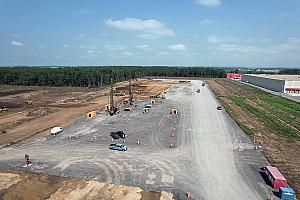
(242, 33)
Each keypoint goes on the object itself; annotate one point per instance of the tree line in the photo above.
(290, 71)
(96, 76)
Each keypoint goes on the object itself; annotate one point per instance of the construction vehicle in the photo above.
(198, 91)
(28, 162)
(3, 109)
(128, 108)
(146, 110)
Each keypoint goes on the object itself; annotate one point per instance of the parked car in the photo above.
(219, 108)
(114, 135)
(121, 134)
(117, 135)
(119, 147)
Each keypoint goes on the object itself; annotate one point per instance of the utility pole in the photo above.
(130, 93)
(111, 98)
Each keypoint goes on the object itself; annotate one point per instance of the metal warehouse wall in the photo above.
(292, 84)
(271, 84)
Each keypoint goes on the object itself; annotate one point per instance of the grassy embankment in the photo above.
(279, 114)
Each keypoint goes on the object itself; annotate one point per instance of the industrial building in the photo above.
(289, 84)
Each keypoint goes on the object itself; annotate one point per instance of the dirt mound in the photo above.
(40, 111)
(42, 186)
(16, 102)
(2, 94)
(8, 179)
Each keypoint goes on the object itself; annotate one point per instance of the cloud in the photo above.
(237, 48)
(127, 53)
(292, 44)
(16, 43)
(114, 47)
(177, 47)
(290, 47)
(163, 53)
(144, 47)
(218, 39)
(209, 3)
(147, 27)
(206, 21)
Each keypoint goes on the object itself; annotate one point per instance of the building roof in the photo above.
(278, 77)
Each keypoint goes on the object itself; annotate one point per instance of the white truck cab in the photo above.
(56, 130)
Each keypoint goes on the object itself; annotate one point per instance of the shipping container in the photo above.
(275, 177)
(286, 193)
(234, 75)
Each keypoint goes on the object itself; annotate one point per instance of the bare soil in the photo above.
(51, 108)
(280, 151)
(25, 186)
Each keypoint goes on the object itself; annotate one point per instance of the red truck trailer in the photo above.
(275, 177)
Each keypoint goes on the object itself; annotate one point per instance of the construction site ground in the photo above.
(55, 107)
(201, 151)
(17, 185)
(282, 152)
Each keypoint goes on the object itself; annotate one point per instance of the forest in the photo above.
(96, 76)
(290, 71)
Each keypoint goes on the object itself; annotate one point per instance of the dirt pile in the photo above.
(27, 186)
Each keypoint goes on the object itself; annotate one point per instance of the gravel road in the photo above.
(210, 156)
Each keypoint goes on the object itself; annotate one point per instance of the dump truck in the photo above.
(275, 177)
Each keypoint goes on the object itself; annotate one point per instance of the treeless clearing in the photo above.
(66, 106)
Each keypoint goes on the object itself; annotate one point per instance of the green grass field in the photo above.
(267, 116)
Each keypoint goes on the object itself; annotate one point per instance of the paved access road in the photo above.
(211, 157)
